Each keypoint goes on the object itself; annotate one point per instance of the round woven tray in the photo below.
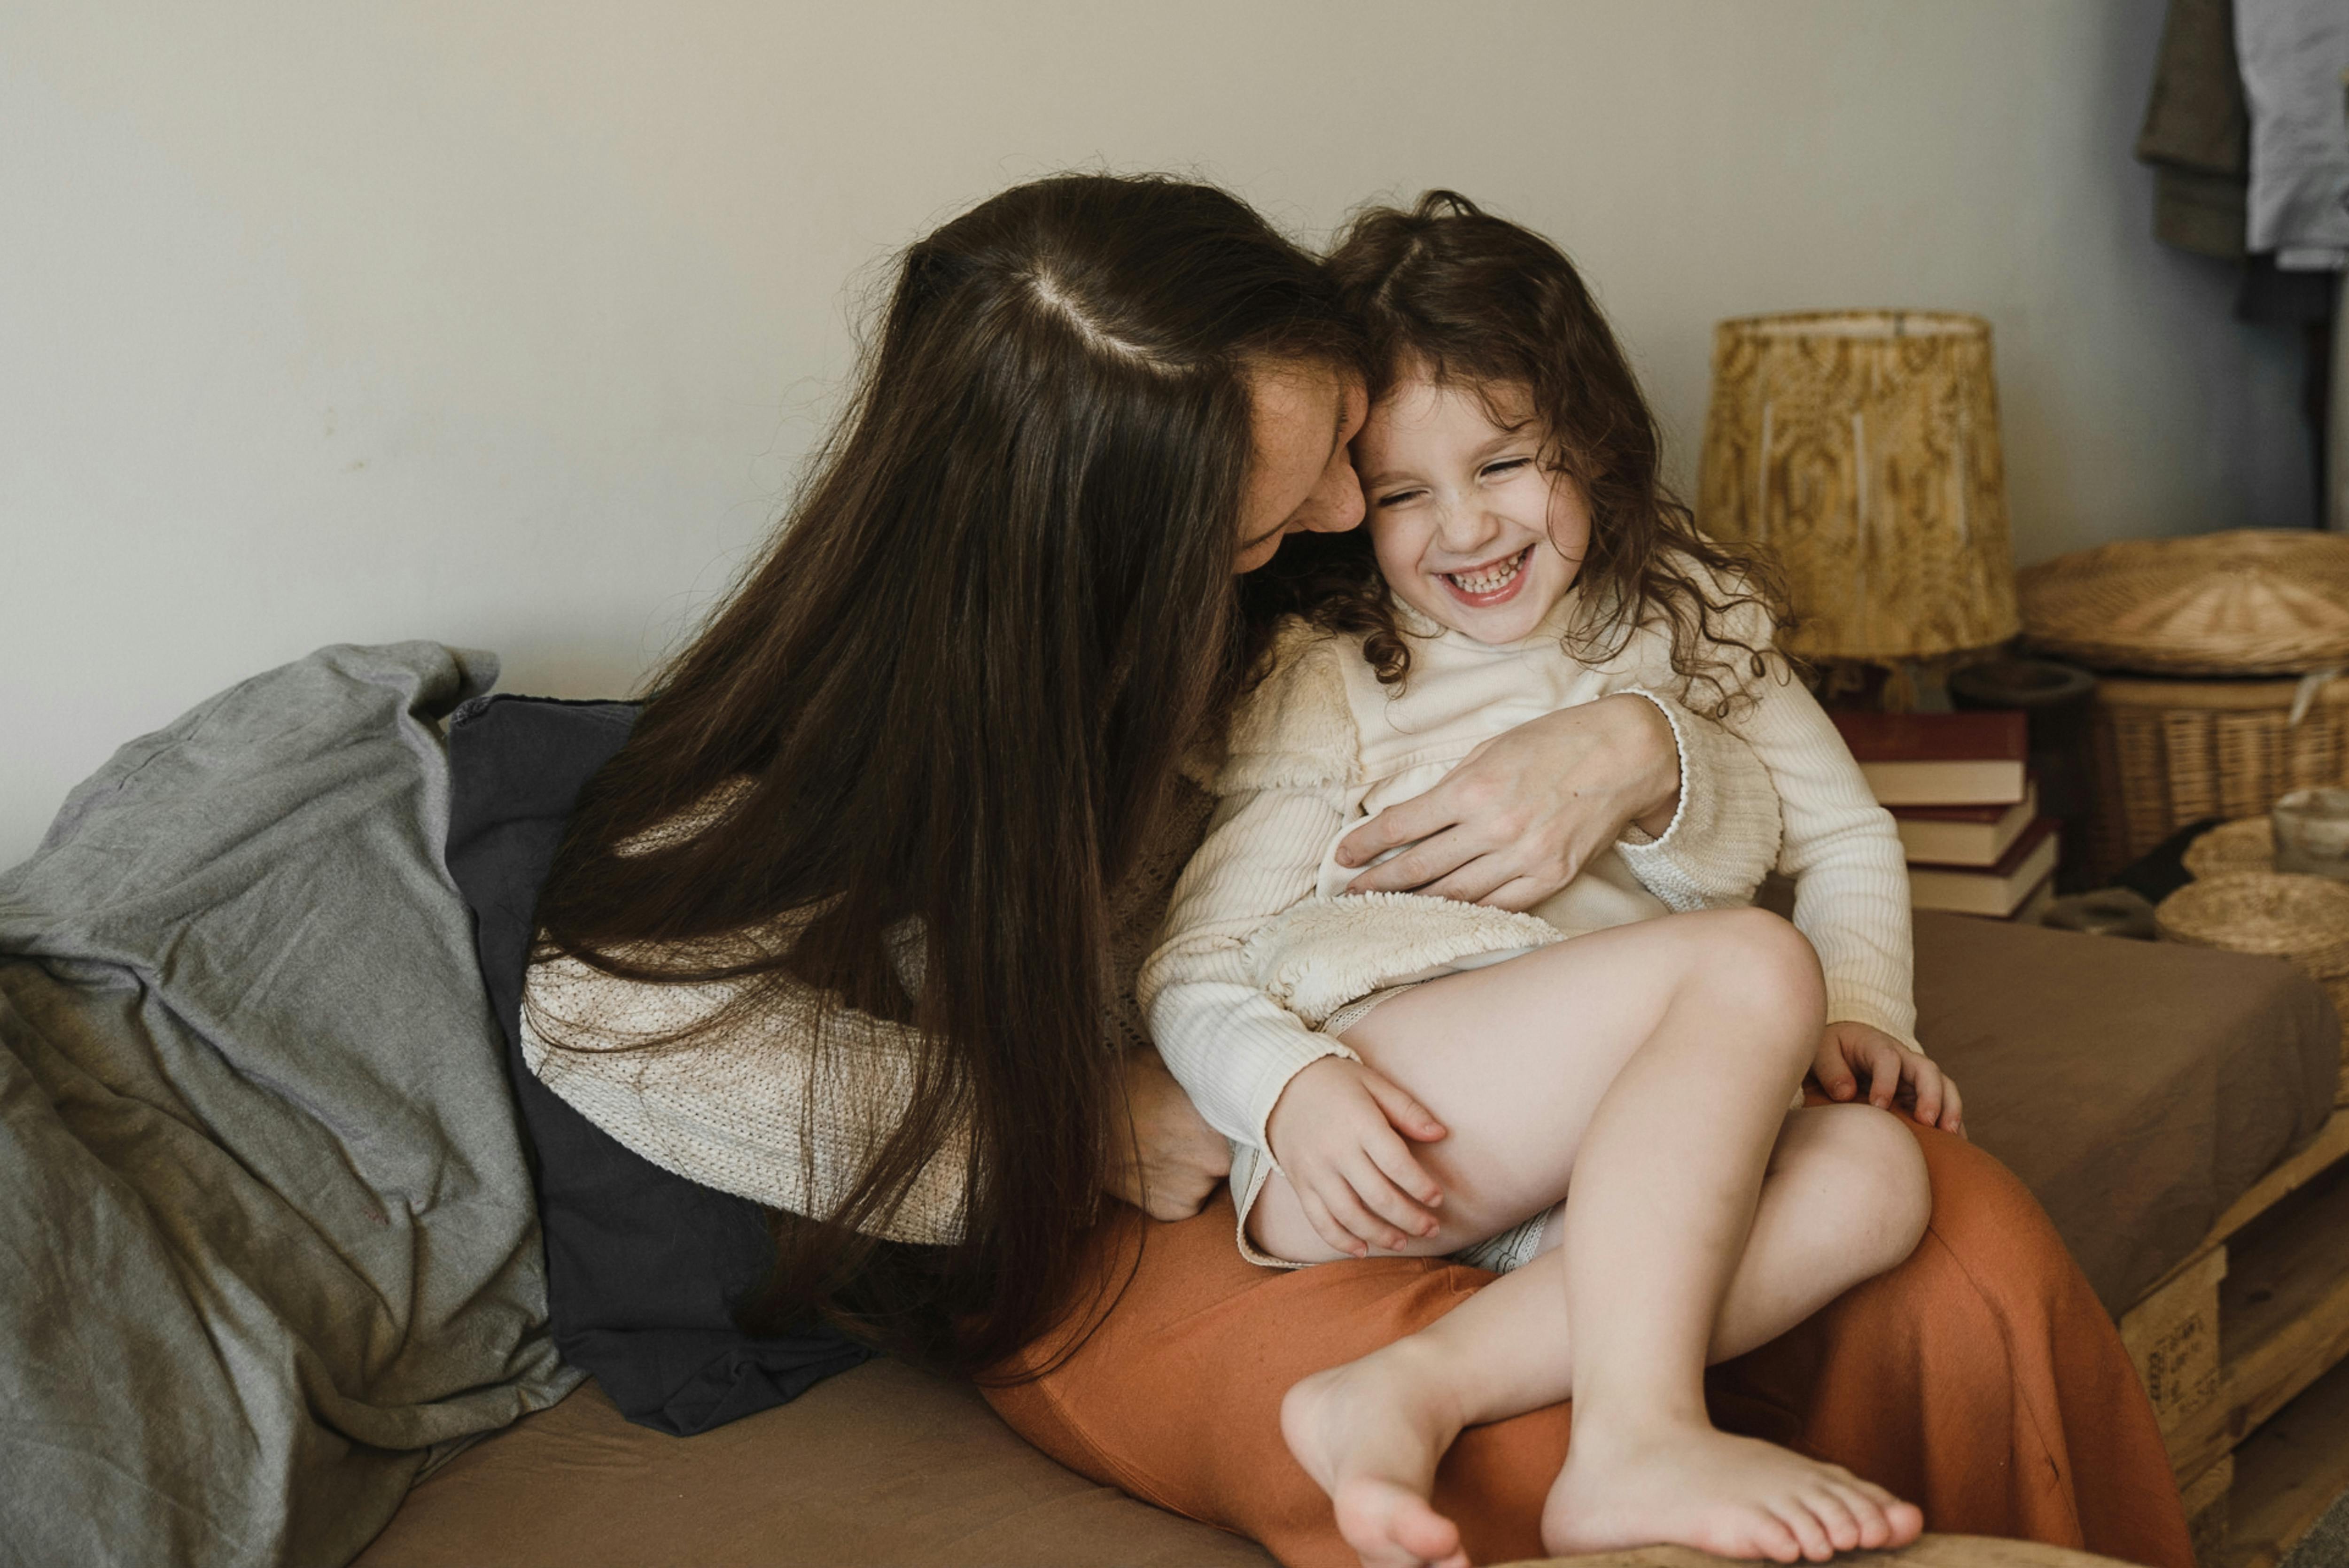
(2248, 845)
(2303, 920)
(2246, 602)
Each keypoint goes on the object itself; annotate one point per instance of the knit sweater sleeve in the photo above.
(787, 1107)
(1724, 836)
(1843, 853)
(1282, 794)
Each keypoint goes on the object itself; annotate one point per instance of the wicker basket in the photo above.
(2304, 919)
(2247, 602)
(2169, 752)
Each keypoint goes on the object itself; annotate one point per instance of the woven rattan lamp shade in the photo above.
(1861, 448)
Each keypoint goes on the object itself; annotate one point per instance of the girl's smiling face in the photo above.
(1469, 526)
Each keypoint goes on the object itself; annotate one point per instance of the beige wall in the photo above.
(505, 325)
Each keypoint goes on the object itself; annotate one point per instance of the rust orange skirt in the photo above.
(1981, 1379)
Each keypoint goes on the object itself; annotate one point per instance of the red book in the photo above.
(1963, 835)
(1939, 758)
(1996, 890)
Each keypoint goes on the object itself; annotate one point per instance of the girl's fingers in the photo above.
(1325, 1224)
(1388, 1202)
(1884, 1073)
(1405, 1114)
(1401, 1168)
(1395, 1161)
(1927, 1080)
(1833, 1072)
(1347, 1209)
(1953, 1109)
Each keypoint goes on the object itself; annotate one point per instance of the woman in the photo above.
(850, 927)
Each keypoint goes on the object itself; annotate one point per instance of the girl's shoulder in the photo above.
(1294, 727)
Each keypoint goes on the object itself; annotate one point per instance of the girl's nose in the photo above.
(1465, 527)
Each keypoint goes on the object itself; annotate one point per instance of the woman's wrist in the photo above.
(1655, 781)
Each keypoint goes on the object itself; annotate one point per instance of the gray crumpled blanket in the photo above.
(268, 1248)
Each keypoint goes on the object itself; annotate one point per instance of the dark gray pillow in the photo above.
(642, 1266)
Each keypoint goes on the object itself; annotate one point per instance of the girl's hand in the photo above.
(1338, 1132)
(1176, 1159)
(1526, 810)
(1852, 1053)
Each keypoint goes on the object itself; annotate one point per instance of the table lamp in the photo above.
(1860, 450)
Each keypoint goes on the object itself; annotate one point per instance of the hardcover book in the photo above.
(1963, 835)
(1939, 758)
(1998, 889)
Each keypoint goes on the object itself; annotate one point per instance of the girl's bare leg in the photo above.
(1524, 1062)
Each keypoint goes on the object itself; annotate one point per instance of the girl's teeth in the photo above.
(1492, 578)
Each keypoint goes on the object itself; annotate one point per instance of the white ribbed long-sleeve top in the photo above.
(1259, 943)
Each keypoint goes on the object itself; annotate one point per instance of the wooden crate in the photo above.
(2244, 1349)
(2172, 1337)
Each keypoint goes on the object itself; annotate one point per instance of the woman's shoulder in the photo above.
(1294, 727)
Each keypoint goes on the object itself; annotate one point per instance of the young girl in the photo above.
(1599, 1097)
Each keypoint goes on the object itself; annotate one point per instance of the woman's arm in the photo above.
(787, 1109)
(1176, 1159)
(1684, 801)
(730, 1112)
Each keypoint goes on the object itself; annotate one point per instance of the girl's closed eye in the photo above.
(1468, 527)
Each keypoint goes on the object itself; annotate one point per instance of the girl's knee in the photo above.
(1767, 962)
(1876, 1162)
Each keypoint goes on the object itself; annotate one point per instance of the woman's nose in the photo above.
(1336, 503)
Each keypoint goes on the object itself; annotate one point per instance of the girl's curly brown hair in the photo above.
(1449, 291)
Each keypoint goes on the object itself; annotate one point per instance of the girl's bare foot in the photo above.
(1371, 1435)
(1686, 1484)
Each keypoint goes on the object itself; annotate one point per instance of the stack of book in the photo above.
(1957, 784)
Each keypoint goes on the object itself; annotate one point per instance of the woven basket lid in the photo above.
(2246, 844)
(2247, 602)
(2304, 919)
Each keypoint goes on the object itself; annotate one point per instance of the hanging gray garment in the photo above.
(2292, 54)
(270, 1243)
(2336, 451)
(2196, 136)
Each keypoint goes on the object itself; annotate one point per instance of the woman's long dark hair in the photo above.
(955, 693)
(1448, 291)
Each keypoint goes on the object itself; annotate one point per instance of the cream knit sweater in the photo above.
(1262, 943)
(747, 1110)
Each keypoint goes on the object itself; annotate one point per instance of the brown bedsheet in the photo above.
(2136, 1088)
(882, 1467)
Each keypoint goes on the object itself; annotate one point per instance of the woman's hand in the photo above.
(1338, 1134)
(1850, 1053)
(1175, 1157)
(1521, 817)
